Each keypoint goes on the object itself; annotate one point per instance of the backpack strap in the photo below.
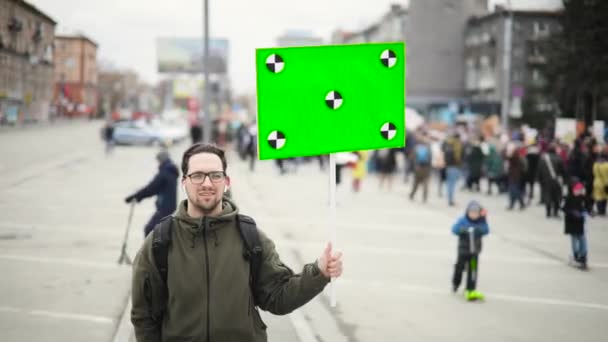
(161, 239)
(253, 247)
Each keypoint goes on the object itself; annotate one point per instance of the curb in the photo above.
(124, 330)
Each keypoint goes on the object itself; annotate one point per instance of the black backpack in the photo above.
(161, 239)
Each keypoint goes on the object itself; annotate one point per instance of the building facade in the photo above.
(26, 62)
(485, 57)
(435, 50)
(76, 76)
(433, 31)
(390, 28)
(298, 38)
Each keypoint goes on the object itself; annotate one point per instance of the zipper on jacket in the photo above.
(205, 227)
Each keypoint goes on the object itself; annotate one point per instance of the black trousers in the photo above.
(553, 197)
(601, 207)
(471, 263)
(339, 168)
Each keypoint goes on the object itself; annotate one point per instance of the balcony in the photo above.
(537, 60)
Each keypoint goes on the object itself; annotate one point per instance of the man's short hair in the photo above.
(202, 148)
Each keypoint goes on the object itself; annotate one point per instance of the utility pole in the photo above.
(205, 97)
(506, 65)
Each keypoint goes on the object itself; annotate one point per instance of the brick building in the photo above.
(26, 62)
(76, 75)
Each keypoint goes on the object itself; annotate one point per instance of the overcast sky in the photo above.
(126, 29)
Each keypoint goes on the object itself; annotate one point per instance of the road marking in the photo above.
(59, 315)
(17, 227)
(412, 228)
(62, 261)
(303, 329)
(34, 172)
(315, 311)
(124, 331)
(356, 248)
(382, 286)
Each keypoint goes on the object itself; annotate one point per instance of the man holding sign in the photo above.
(204, 271)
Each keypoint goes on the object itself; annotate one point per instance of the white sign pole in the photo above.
(333, 234)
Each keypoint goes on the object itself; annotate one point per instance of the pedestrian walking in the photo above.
(205, 271)
(438, 164)
(360, 170)
(452, 151)
(386, 163)
(495, 169)
(470, 229)
(575, 216)
(163, 186)
(250, 145)
(475, 160)
(550, 170)
(532, 160)
(422, 169)
(515, 172)
(600, 182)
(108, 136)
(196, 133)
(410, 143)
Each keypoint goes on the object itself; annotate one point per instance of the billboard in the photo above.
(186, 55)
(187, 86)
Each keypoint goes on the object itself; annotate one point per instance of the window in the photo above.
(450, 7)
(536, 77)
(518, 52)
(70, 63)
(485, 37)
(517, 76)
(541, 29)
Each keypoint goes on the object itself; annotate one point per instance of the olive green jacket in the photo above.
(209, 296)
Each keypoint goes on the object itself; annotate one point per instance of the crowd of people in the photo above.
(572, 178)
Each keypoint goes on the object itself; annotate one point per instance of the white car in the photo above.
(142, 133)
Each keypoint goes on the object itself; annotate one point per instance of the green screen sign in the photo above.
(327, 99)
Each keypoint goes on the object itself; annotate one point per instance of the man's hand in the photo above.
(330, 265)
(131, 199)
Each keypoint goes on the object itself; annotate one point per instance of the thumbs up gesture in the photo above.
(330, 264)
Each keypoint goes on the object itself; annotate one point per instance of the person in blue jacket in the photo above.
(164, 187)
(470, 229)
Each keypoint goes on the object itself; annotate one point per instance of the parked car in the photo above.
(142, 132)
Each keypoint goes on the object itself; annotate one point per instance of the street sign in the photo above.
(327, 99)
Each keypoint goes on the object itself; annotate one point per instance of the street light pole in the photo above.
(205, 97)
(506, 74)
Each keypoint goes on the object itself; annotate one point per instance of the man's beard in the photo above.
(207, 209)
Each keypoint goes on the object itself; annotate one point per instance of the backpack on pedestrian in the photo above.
(451, 153)
(422, 155)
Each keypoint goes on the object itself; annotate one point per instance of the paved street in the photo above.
(63, 218)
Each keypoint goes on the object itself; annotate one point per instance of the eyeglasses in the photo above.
(199, 177)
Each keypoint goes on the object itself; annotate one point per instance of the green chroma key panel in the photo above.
(327, 99)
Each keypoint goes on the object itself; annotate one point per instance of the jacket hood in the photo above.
(192, 224)
(473, 205)
(168, 166)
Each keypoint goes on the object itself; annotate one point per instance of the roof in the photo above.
(517, 13)
(35, 10)
(76, 37)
